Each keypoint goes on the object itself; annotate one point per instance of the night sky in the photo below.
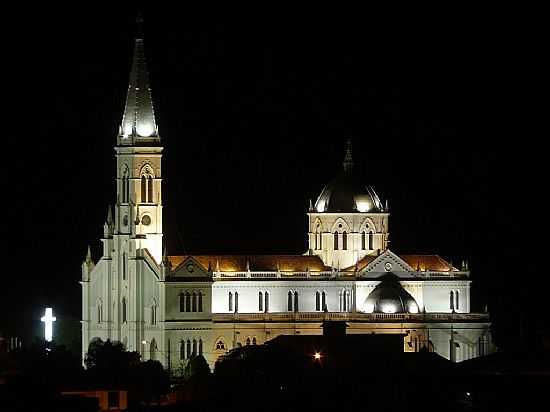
(254, 114)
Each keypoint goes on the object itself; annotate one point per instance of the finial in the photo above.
(387, 207)
(247, 265)
(310, 205)
(164, 257)
(348, 160)
(109, 216)
(88, 256)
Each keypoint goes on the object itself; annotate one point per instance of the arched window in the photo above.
(289, 301)
(125, 185)
(324, 301)
(363, 240)
(150, 189)
(187, 302)
(247, 341)
(153, 350)
(188, 349)
(124, 310)
(194, 308)
(236, 302)
(182, 302)
(371, 245)
(260, 301)
(220, 345)
(200, 347)
(200, 301)
(153, 314)
(266, 299)
(344, 301)
(143, 189)
(320, 239)
(344, 240)
(451, 300)
(295, 301)
(99, 314)
(456, 300)
(182, 350)
(124, 266)
(194, 347)
(230, 302)
(317, 301)
(316, 245)
(254, 340)
(335, 240)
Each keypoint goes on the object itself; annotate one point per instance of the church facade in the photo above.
(170, 308)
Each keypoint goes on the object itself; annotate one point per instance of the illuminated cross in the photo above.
(48, 320)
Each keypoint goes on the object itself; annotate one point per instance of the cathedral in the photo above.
(170, 308)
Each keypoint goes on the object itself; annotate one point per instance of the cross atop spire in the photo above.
(138, 122)
(348, 161)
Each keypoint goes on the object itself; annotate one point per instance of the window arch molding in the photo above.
(368, 224)
(340, 226)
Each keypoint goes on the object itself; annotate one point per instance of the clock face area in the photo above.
(146, 220)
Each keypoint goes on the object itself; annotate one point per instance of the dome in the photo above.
(390, 297)
(345, 194)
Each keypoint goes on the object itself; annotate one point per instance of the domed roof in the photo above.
(390, 297)
(346, 194)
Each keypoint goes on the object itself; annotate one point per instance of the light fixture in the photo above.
(145, 129)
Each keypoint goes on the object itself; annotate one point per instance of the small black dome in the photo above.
(390, 297)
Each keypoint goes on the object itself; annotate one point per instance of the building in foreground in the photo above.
(171, 307)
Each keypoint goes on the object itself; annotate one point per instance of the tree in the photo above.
(109, 361)
(196, 367)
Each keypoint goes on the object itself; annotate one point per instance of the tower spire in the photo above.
(138, 121)
(348, 160)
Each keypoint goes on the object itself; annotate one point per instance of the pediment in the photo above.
(191, 268)
(385, 263)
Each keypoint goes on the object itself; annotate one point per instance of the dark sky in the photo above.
(254, 114)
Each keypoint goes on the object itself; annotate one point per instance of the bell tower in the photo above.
(138, 212)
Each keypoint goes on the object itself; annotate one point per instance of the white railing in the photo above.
(357, 317)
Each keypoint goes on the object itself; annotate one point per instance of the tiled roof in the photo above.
(428, 262)
(256, 263)
(417, 262)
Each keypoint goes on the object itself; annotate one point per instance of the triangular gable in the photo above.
(387, 262)
(190, 267)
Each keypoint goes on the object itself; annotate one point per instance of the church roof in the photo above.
(138, 120)
(417, 262)
(254, 263)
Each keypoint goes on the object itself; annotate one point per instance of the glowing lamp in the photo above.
(317, 356)
(145, 129)
(388, 308)
(48, 320)
(369, 308)
(363, 206)
(320, 206)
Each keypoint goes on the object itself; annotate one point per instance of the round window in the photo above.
(146, 220)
